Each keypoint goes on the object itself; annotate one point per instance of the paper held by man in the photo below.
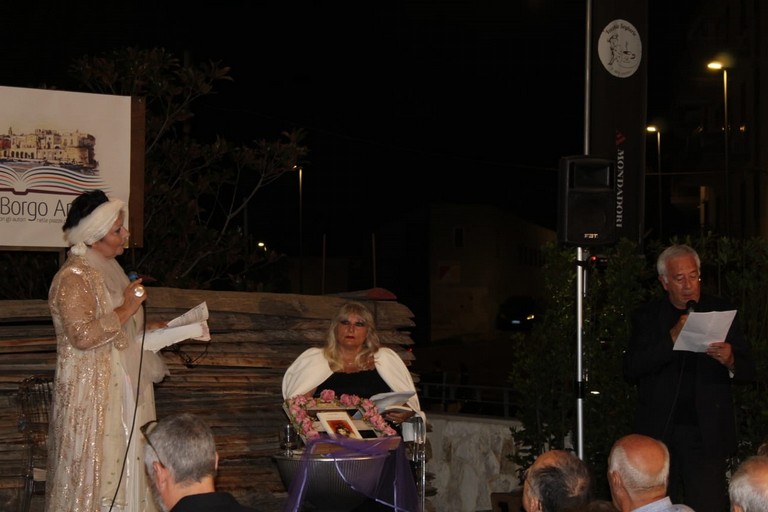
(701, 329)
(192, 325)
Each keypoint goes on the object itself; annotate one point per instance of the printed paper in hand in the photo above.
(701, 329)
(192, 325)
(393, 400)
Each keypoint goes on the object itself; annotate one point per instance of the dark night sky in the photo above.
(404, 101)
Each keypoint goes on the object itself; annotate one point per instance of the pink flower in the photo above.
(327, 395)
(349, 400)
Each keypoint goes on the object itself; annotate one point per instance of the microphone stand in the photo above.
(580, 291)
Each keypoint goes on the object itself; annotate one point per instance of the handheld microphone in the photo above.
(691, 306)
(139, 290)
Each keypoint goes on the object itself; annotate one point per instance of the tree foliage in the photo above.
(195, 192)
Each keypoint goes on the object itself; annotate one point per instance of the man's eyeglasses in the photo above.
(146, 429)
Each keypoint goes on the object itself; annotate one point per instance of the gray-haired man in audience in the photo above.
(557, 481)
(181, 460)
(748, 488)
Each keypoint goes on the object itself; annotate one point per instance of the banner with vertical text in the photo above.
(618, 92)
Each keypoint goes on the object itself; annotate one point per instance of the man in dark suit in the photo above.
(684, 397)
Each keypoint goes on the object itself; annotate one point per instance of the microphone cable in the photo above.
(135, 402)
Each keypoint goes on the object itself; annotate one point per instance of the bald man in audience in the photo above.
(557, 481)
(638, 473)
(748, 488)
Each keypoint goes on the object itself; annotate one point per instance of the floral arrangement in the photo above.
(297, 408)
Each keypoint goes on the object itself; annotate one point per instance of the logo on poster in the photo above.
(620, 48)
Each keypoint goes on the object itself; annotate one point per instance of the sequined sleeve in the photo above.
(80, 307)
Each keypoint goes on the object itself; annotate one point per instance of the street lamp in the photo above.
(717, 65)
(657, 131)
(301, 226)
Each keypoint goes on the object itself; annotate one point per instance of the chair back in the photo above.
(34, 400)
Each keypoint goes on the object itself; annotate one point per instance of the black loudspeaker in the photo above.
(587, 199)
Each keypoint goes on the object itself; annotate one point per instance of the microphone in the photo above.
(691, 306)
(139, 290)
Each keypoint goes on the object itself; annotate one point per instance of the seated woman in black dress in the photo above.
(352, 362)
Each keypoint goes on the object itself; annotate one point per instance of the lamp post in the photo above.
(657, 131)
(717, 65)
(301, 233)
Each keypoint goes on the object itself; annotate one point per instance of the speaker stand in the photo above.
(581, 276)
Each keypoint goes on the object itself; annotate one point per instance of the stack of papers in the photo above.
(192, 325)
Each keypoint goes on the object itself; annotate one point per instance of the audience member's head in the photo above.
(557, 481)
(638, 469)
(763, 448)
(748, 489)
(180, 458)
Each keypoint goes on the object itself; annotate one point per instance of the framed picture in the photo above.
(338, 424)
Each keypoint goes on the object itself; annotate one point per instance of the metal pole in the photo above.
(580, 258)
(322, 271)
(657, 131)
(373, 257)
(419, 457)
(580, 251)
(725, 153)
(726, 214)
(587, 68)
(301, 234)
(658, 170)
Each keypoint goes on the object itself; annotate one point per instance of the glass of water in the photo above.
(289, 439)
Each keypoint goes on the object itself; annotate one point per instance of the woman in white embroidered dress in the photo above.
(95, 449)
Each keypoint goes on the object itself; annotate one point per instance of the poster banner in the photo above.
(54, 145)
(618, 95)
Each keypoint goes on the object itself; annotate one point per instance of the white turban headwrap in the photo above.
(94, 226)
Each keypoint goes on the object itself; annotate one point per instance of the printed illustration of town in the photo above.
(72, 150)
